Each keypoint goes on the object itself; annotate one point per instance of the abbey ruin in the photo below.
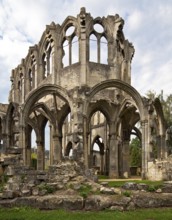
(77, 80)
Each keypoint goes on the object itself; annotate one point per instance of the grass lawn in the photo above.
(120, 183)
(34, 214)
(148, 182)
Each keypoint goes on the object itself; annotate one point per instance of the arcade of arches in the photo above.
(77, 82)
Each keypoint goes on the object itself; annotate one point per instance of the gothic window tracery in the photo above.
(30, 79)
(21, 86)
(32, 73)
(47, 59)
(98, 46)
(70, 47)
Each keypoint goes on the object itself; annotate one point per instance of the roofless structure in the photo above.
(77, 79)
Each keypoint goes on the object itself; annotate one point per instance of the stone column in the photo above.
(145, 148)
(164, 152)
(83, 48)
(79, 153)
(89, 150)
(40, 155)
(113, 156)
(85, 143)
(8, 141)
(57, 149)
(22, 143)
(101, 163)
(158, 143)
(107, 161)
(125, 159)
(28, 152)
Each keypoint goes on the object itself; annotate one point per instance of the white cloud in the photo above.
(135, 20)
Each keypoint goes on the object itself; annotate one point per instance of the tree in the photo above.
(34, 160)
(151, 94)
(135, 152)
(166, 104)
(167, 109)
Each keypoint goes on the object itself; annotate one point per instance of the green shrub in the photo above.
(5, 178)
(127, 193)
(152, 188)
(84, 190)
(1, 187)
(48, 188)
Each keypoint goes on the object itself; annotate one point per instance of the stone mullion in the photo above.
(48, 62)
(98, 50)
(70, 52)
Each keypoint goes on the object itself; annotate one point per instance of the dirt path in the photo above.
(125, 180)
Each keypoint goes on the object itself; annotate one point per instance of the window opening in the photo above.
(93, 48)
(70, 30)
(65, 53)
(103, 51)
(98, 28)
(75, 50)
(47, 145)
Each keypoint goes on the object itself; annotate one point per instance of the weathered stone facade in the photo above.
(84, 102)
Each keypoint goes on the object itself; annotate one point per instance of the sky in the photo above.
(148, 25)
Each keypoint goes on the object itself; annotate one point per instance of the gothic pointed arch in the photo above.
(122, 86)
(39, 93)
(68, 149)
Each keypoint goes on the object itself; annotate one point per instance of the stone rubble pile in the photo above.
(66, 185)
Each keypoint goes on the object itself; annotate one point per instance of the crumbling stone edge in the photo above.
(92, 202)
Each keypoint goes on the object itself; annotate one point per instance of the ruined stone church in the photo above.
(77, 80)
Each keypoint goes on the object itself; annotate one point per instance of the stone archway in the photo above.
(99, 154)
(113, 141)
(32, 106)
(68, 149)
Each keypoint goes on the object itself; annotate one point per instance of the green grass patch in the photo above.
(102, 177)
(35, 214)
(155, 184)
(85, 190)
(3, 180)
(1, 187)
(127, 193)
(48, 188)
